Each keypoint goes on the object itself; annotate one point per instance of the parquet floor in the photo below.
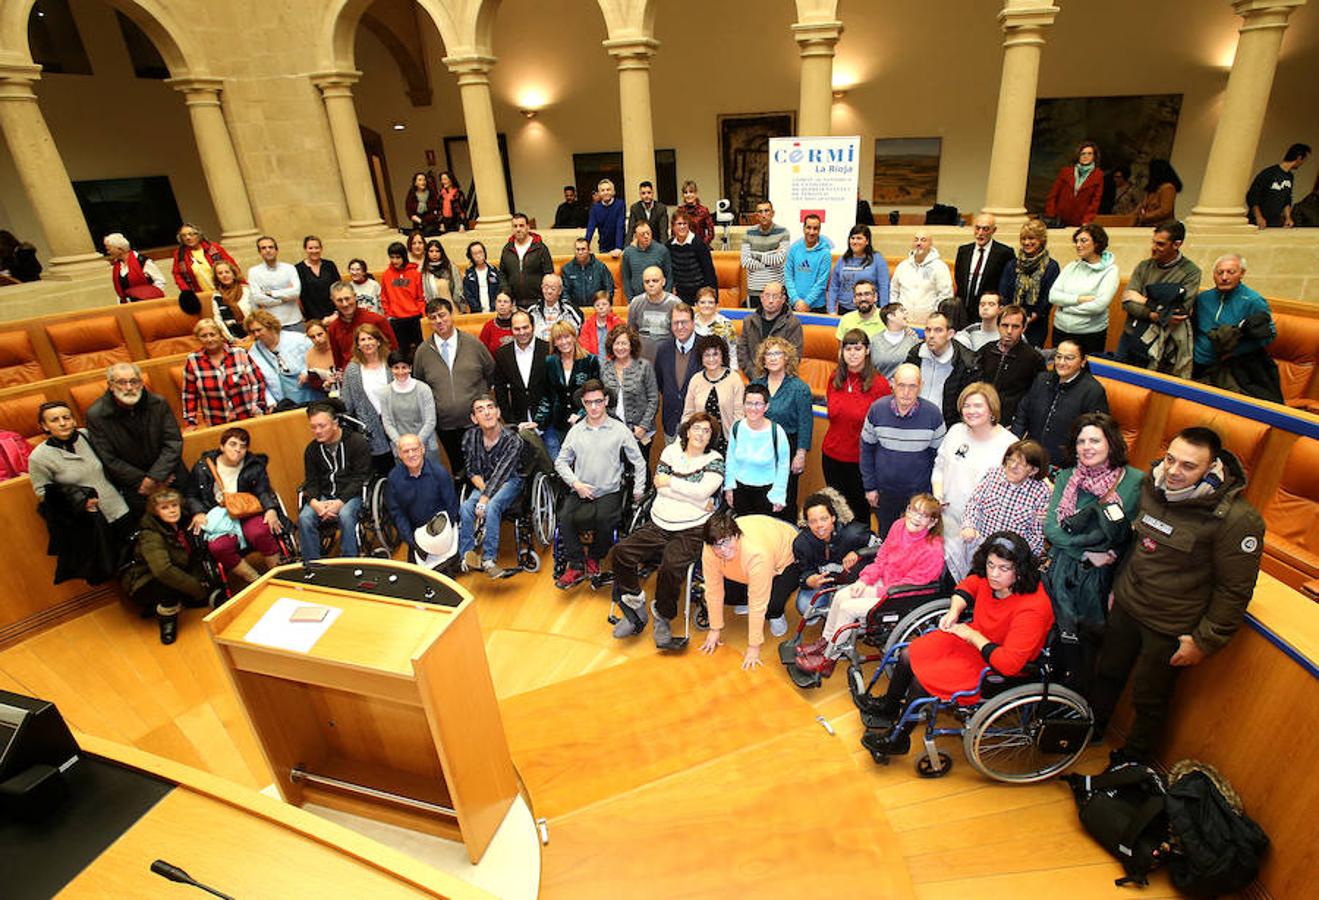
(959, 836)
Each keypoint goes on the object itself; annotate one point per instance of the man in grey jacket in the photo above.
(591, 463)
(458, 367)
(771, 320)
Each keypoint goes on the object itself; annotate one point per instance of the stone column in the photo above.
(355, 175)
(816, 41)
(224, 179)
(633, 56)
(1023, 24)
(473, 73)
(1236, 139)
(42, 174)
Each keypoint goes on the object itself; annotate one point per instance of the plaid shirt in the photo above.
(233, 390)
(998, 505)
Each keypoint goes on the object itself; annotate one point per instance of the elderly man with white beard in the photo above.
(136, 436)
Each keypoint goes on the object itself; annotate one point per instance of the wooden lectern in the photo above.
(391, 713)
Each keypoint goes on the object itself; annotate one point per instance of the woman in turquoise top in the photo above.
(756, 468)
(1088, 527)
(790, 406)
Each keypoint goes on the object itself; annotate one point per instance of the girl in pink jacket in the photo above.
(912, 553)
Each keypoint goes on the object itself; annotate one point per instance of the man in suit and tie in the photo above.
(675, 364)
(979, 265)
(519, 379)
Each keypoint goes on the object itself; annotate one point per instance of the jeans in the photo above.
(804, 597)
(494, 514)
(553, 440)
(309, 530)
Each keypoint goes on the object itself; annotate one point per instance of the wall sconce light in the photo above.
(399, 126)
(528, 113)
(840, 93)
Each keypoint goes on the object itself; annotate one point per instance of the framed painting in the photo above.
(589, 168)
(744, 156)
(1131, 130)
(906, 171)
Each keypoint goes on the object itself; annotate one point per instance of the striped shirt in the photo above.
(681, 503)
(897, 451)
(494, 464)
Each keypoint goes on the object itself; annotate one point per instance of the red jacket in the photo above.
(401, 293)
(1072, 206)
(494, 335)
(701, 221)
(590, 337)
(847, 416)
(183, 262)
(341, 334)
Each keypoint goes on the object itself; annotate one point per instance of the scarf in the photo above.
(1082, 173)
(1098, 481)
(131, 282)
(1030, 272)
(1212, 481)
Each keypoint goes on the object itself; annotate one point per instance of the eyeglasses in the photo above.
(597, 402)
(126, 382)
(723, 544)
(1066, 357)
(918, 514)
(773, 354)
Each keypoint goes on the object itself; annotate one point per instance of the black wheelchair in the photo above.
(377, 535)
(885, 623)
(535, 513)
(629, 516)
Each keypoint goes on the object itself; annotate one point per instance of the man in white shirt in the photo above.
(519, 379)
(550, 309)
(275, 285)
(986, 330)
(979, 265)
(921, 281)
(649, 312)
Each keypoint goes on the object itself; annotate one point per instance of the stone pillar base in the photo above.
(1210, 220)
(67, 268)
(242, 235)
(369, 228)
(502, 221)
(1007, 216)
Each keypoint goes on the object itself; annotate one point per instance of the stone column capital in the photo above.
(817, 38)
(1263, 14)
(471, 68)
(16, 81)
(198, 91)
(1023, 24)
(631, 52)
(336, 83)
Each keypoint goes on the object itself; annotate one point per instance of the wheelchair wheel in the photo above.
(544, 516)
(384, 536)
(529, 561)
(925, 770)
(915, 623)
(1003, 739)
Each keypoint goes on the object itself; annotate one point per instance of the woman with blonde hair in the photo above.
(364, 379)
(282, 358)
(221, 384)
(969, 450)
(790, 403)
(567, 368)
(1028, 277)
(232, 301)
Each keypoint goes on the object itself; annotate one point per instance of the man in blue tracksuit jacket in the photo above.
(806, 269)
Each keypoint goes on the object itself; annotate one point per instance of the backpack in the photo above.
(942, 214)
(775, 441)
(14, 451)
(1218, 847)
(1123, 809)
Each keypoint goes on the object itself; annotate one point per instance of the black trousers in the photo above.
(1091, 344)
(794, 478)
(408, 332)
(451, 439)
(845, 477)
(892, 504)
(674, 551)
(599, 515)
(780, 589)
(753, 500)
(1131, 650)
(903, 688)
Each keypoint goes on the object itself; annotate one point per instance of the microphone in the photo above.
(174, 873)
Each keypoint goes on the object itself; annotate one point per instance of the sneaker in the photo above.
(169, 627)
(741, 610)
(634, 618)
(814, 648)
(471, 561)
(879, 743)
(493, 569)
(778, 626)
(822, 665)
(570, 578)
(593, 568)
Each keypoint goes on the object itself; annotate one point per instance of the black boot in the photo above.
(879, 712)
(168, 618)
(884, 743)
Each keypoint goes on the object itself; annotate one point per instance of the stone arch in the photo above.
(410, 66)
(628, 18)
(181, 55)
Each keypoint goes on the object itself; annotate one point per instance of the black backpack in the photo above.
(1123, 809)
(1218, 847)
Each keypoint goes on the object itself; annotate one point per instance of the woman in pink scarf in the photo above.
(911, 554)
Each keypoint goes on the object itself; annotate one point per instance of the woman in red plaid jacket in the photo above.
(220, 382)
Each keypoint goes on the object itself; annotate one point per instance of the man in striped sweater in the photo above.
(493, 452)
(764, 250)
(898, 443)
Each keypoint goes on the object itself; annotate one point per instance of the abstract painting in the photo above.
(906, 171)
(1131, 130)
(744, 156)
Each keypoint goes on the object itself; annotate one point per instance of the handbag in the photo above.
(240, 504)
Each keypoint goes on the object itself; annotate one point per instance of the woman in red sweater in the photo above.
(1011, 621)
(1074, 197)
(853, 388)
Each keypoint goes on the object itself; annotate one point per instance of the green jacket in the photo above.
(160, 556)
(1194, 564)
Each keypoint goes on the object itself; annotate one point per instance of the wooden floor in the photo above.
(954, 837)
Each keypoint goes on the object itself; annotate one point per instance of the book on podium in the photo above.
(383, 706)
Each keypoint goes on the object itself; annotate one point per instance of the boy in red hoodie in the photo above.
(402, 297)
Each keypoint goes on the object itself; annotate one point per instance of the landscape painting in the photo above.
(744, 156)
(906, 171)
(1131, 130)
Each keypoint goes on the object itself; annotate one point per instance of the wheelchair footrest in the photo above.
(803, 679)
(788, 651)
(675, 645)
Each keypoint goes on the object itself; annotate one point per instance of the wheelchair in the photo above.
(1024, 728)
(631, 515)
(535, 513)
(376, 533)
(884, 624)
